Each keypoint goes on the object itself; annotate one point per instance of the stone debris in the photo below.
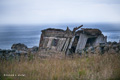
(19, 46)
(17, 50)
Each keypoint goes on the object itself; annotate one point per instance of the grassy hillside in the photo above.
(59, 67)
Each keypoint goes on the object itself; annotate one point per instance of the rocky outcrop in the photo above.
(110, 47)
(19, 46)
(17, 50)
(34, 49)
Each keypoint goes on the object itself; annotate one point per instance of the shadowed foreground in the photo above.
(59, 67)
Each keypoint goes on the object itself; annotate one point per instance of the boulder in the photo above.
(19, 46)
(106, 48)
(119, 46)
(109, 43)
(114, 46)
(117, 50)
(111, 51)
(114, 43)
(34, 49)
(91, 50)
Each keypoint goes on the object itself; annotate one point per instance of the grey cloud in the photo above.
(49, 11)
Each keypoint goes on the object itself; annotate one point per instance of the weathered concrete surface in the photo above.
(61, 43)
(101, 39)
(65, 40)
(66, 45)
(70, 45)
(81, 42)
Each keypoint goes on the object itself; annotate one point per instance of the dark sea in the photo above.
(30, 34)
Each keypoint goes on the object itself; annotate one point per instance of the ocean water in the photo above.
(30, 34)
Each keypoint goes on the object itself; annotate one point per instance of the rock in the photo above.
(97, 50)
(106, 48)
(21, 53)
(19, 46)
(34, 49)
(111, 51)
(119, 46)
(80, 52)
(109, 43)
(114, 46)
(6, 54)
(117, 50)
(90, 50)
(114, 43)
(102, 45)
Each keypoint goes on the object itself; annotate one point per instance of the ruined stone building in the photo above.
(66, 40)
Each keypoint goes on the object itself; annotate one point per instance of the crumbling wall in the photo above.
(70, 45)
(66, 45)
(81, 42)
(61, 43)
(70, 41)
(101, 39)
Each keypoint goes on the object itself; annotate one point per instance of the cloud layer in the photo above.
(59, 11)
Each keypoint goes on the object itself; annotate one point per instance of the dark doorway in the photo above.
(73, 48)
(90, 42)
(55, 42)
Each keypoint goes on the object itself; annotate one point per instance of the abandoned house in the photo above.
(66, 40)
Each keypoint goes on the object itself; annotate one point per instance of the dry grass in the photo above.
(92, 67)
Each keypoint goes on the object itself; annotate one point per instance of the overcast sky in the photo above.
(59, 11)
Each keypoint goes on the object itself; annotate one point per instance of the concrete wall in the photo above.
(45, 42)
(100, 39)
(48, 43)
(61, 44)
(66, 45)
(50, 33)
(81, 42)
(70, 45)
